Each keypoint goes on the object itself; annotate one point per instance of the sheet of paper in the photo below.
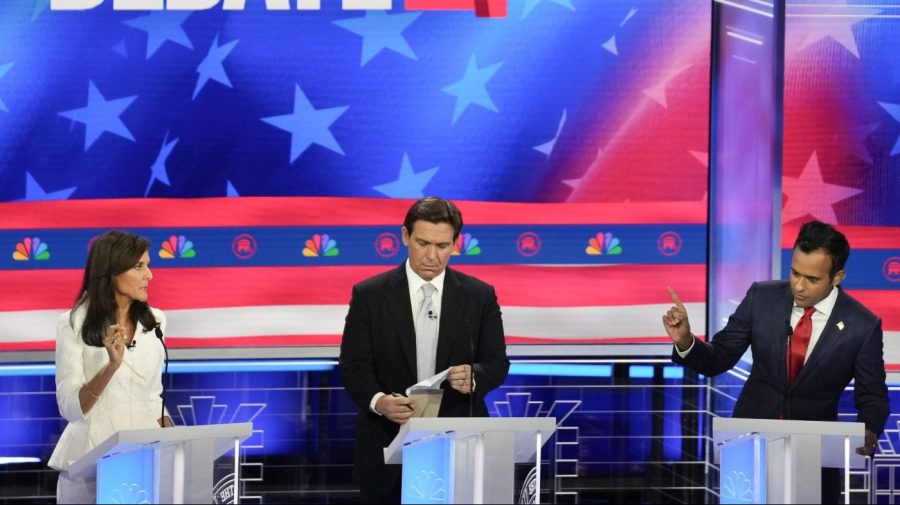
(429, 383)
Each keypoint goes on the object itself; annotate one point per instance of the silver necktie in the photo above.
(426, 334)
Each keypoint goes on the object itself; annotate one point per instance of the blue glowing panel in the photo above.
(742, 476)
(428, 471)
(127, 478)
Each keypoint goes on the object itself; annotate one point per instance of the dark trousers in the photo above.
(368, 495)
(832, 485)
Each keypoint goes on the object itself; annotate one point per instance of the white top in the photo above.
(130, 401)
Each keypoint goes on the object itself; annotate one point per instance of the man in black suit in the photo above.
(382, 354)
(833, 339)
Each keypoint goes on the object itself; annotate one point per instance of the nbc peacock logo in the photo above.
(603, 243)
(177, 247)
(321, 245)
(31, 248)
(466, 244)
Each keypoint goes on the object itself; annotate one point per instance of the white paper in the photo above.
(430, 382)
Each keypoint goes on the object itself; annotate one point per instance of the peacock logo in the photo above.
(466, 244)
(177, 247)
(603, 243)
(321, 245)
(31, 248)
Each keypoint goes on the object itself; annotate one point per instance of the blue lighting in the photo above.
(198, 367)
(673, 372)
(640, 372)
(561, 370)
(321, 365)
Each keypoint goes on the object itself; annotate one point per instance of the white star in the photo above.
(809, 194)
(308, 125)
(658, 92)
(471, 89)
(531, 4)
(212, 66)
(408, 184)
(808, 31)
(547, 147)
(162, 26)
(158, 169)
(380, 31)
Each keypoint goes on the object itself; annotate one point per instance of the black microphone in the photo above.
(132, 345)
(472, 365)
(790, 332)
(431, 315)
(162, 395)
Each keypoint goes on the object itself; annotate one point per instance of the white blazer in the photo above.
(130, 401)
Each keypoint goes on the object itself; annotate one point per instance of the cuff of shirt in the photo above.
(684, 354)
(374, 401)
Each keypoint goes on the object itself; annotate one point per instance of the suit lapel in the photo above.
(453, 300)
(785, 304)
(402, 314)
(827, 340)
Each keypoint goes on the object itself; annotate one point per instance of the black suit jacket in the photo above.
(761, 322)
(378, 354)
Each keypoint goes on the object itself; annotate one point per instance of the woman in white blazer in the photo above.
(108, 358)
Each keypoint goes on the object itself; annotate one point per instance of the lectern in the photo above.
(778, 461)
(466, 459)
(161, 465)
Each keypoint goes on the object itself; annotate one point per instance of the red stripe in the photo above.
(321, 211)
(883, 303)
(316, 340)
(519, 285)
(860, 237)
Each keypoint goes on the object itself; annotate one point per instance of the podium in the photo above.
(778, 461)
(466, 459)
(161, 465)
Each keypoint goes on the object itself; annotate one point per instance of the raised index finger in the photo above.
(675, 298)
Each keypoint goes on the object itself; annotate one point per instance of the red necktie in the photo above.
(799, 344)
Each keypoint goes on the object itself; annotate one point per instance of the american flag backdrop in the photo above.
(271, 156)
(842, 143)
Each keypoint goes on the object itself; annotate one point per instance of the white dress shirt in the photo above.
(130, 401)
(415, 299)
(819, 319)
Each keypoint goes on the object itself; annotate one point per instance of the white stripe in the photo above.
(534, 322)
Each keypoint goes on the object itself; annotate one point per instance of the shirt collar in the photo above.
(416, 282)
(826, 305)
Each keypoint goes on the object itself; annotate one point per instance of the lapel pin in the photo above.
(840, 325)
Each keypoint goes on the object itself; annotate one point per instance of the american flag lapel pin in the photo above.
(840, 325)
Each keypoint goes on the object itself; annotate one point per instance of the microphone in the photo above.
(790, 333)
(431, 315)
(132, 345)
(472, 366)
(162, 395)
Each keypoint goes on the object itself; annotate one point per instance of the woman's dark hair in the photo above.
(815, 235)
(111, 254)
(434, 210)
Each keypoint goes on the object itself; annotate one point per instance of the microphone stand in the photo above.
(162, 395)
(472, 368)
(790, 366)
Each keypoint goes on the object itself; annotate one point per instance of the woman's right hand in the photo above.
(115, 343)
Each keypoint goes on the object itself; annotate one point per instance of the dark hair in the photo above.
(434, 210)
(816, 234)
(111, 254)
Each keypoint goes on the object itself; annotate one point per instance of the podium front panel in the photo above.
(428, 470)
(742, 475)
(127, 477)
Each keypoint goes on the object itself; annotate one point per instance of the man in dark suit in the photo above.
(408, 324)
(833, 339)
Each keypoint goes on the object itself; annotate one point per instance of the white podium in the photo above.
(778, 461)
(161, 465)
(466, 459)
